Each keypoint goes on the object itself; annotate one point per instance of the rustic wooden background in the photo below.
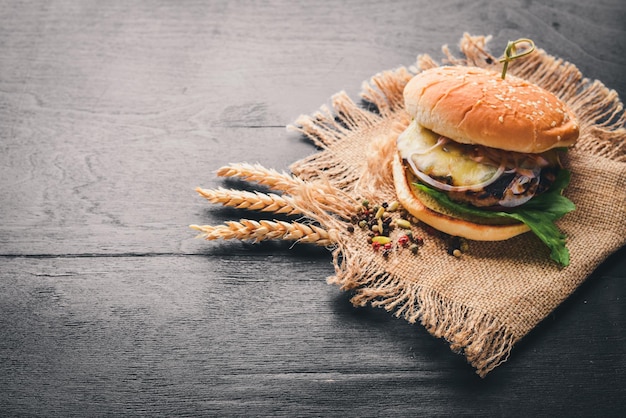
(112, 112)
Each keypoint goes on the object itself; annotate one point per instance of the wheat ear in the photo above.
(264, 202)
(255, 172)
(256, 231)
(328, 197)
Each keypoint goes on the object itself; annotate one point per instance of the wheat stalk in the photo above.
(240, 199)
(328, 197)
(255, 172)
(256, 231)
(273, 179)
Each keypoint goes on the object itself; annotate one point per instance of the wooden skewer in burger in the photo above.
(480, 158)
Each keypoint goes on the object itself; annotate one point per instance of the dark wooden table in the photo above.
(112, 112)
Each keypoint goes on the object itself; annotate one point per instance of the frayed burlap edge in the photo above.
(480, 337)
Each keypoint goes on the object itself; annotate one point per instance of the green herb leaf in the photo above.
(539, 214)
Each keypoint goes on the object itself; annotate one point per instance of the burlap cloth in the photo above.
(484, 302)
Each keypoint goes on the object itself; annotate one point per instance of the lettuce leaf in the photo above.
(539, 214)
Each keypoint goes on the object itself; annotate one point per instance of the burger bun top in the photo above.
(472, 105)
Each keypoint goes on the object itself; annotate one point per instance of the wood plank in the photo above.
(260, 333)
(121, 195)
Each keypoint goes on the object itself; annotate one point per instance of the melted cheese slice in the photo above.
(450, 161)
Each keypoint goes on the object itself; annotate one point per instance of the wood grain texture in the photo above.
(111, 113)
(166, 334)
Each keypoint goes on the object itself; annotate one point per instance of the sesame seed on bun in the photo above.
(472, 105)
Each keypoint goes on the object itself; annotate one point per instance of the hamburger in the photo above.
(481, 156)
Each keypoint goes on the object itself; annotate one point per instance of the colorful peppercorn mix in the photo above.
(381, 220)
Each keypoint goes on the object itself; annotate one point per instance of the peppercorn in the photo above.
(454, 246)
(414, 248)
(454, 243)
(350, 228)
(403, 240)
